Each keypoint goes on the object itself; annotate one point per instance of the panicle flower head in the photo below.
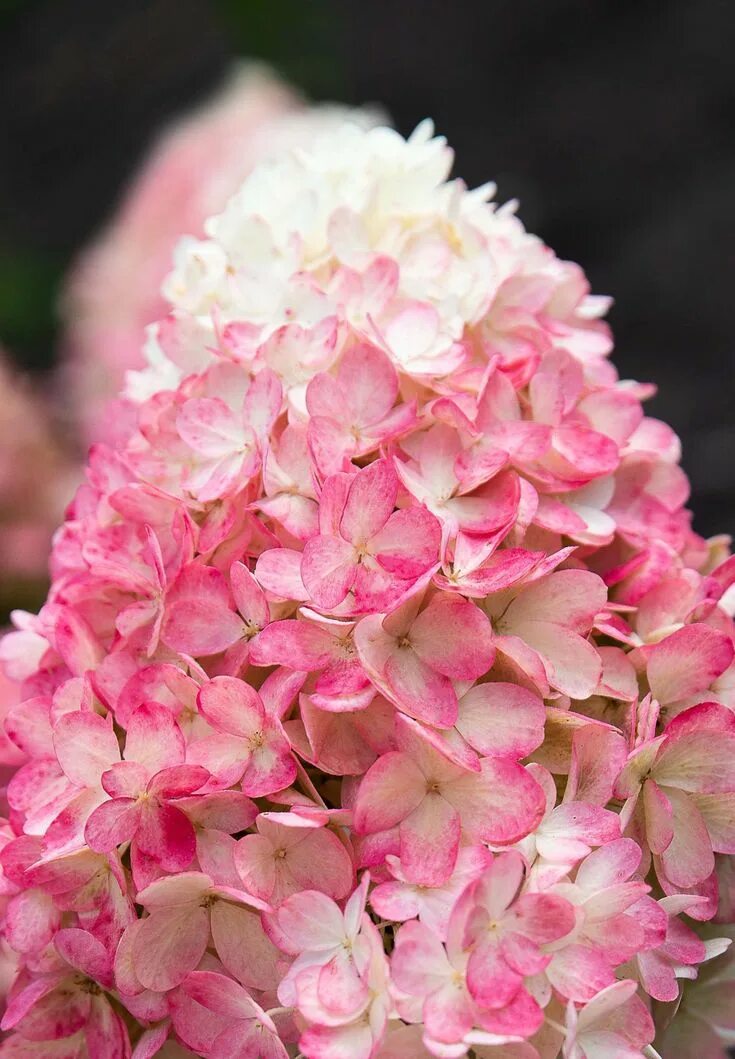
(382, 704)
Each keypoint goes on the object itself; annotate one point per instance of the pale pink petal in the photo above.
(231, 706)
(154, 739)
(568, 597)
(501, 804)
(502, 719)
(370, 500)
(298, 644)
(391, 789)
(573, 664)
(688, 859)
(278, 570)
(687, 662)
(220, 994)
(430, 841)
(169, 944)
(421, 691)
(579, 972)
(249, 596)
(243, 946)
(328, 569)
(408, 543)
(454, 637)
(311, 921)
(112, 823)
(86, 746)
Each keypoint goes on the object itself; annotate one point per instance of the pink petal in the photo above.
(543, 918)
(249, 596)
(321, 862)
(688, 859)
(231, 706)
(420, 690)
(256, 865)
(369, 379)
(126, 779)
(262, 403)
(271, 766)
(370, 500)
(86, 746)
(278, 570)
(154, 739)
(328, 568)
(298, 644)
(408, 543)
(311, 921)
(223, 756)
(228, 811)
(175, 891)
(578, 972)
(687, 662)
(166, 835)
(490, 980)
(169, 944)
(502, 719)
(659, 817)
(177, 781)
(573, 665)
(112, 823)
(501, 804)
(31, 920)
(243, 946)
(199, 615)
(489, 508)
(419, 962)
(390, 790)
(220, 994)
(430, 841)
(568, 597)
(454, 637)
(85, 952)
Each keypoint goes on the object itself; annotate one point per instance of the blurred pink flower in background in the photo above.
(114, 290)
(36, 481)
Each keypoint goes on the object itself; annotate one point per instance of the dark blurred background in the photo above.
(612, 120)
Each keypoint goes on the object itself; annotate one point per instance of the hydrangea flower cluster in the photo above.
(382, 704)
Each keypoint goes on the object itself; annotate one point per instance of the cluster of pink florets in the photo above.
(381, 705)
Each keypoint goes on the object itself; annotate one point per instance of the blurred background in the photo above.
(612, 121)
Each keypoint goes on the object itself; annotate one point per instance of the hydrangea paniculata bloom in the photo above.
(382, 702)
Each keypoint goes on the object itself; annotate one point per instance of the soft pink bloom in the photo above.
(383, 703)
(248, 743)
(184, 911)
(414, 655)
(143, 791)
(353, 413)
(289, 854)
(681, 786)
(507, 932)
(250, 1033)
(364, 546)
(613, 1025)
(435, 802)
(548, 623)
